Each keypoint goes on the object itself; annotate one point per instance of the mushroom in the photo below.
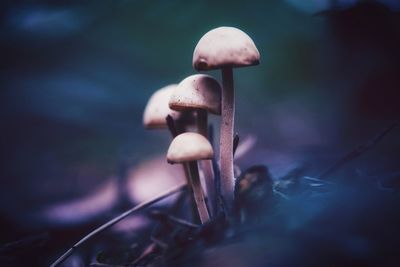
(225, 48)
(157, 109)
(200, 93)
(187, 148)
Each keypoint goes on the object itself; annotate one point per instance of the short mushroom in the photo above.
(200, 93)
(226, 48)
(188, 148)
(157, 109)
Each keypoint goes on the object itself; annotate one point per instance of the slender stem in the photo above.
(208, 172)
(226, 137)
(198, 192)
(206, 165)
(218, 208)
(193, 203)
(107, 225)
(202, 122)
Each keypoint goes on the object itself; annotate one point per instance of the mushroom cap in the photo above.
(157, 109)
(197, 91)
(225, 46)
(189, 147)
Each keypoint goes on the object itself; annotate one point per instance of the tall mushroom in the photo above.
(226, 48)
(200, 93)
(188, 148)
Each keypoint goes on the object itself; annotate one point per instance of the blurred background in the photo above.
(76, 76)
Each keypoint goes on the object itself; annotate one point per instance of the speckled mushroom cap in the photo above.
(157, 109)
(225, 46)
(197, 91)
(189, 147)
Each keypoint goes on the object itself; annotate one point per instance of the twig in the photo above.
(182, 222)
(355, 153)
(167, 218)
(110, 223)
(98, 264)
(152, 248)
(159, 242)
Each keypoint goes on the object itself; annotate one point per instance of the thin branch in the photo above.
(98, 264)
(159, 242)
(110, 223)
(182, 222)
(355, 153)
(150, 249)
(167, 218)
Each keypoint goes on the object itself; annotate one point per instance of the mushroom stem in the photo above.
(172, 126)
(198, 192)
(202, 122)
(226, 137)
(206, 165)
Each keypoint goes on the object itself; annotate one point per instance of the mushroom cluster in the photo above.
(184, 109)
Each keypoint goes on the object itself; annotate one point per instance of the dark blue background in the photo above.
(75, 77)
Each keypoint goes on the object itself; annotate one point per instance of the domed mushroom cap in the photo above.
(189, 147)
(197, 91)
(225, 46)
(157, 109)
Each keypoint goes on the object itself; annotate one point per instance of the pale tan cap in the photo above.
(157, 109)
(225, 46)
(189, 147)
(197, 91)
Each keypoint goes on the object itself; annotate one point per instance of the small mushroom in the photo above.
(226, 48)
(157, 109)
(187, 148)
(200, 93)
